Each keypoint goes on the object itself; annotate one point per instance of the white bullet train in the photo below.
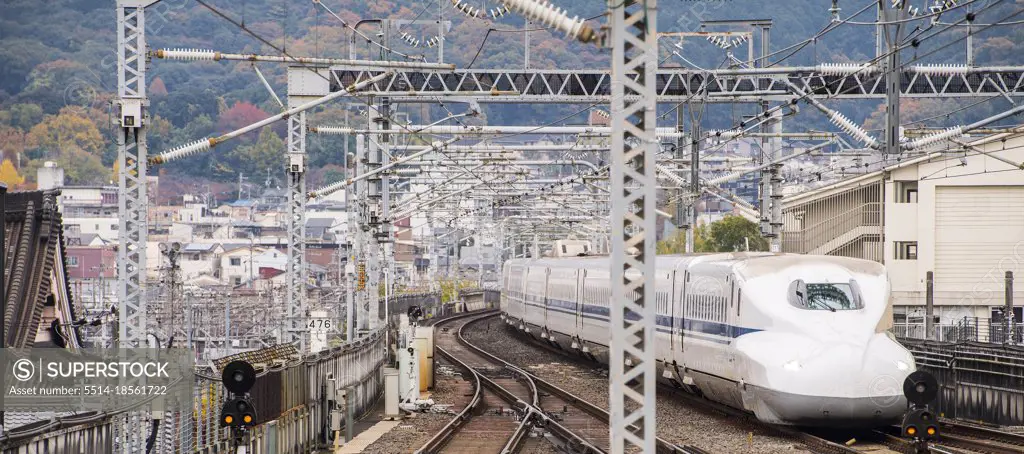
(794, 339)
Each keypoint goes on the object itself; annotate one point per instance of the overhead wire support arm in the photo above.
(211, 55)
(208, 143)
(337, 186)
(267, 85)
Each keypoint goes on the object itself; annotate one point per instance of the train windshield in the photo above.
(825, 297)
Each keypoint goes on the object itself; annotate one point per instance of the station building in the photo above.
(958, 215)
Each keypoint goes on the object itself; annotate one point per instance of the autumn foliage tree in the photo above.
(9, 175)
(238, 115)
(157, 87)
(65, 131)
(74, 142)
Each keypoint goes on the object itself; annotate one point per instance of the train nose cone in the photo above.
(849, 384)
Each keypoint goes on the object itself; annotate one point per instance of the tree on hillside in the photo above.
(12, 141)
(56, 84)
(82, 168)
(66, 131)
(9, 175)
(255, 159)
(157, 87)
(731, 233)
(240, 114)
(22, 116)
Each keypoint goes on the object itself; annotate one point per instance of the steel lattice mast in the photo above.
(634, 44)
(132, 200)
(295, 299)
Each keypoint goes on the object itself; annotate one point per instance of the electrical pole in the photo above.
(775, 185)
(696, 137)
(633, 185)
(295, 298)
(131, 107)
(361, 227)
(892, 27)
(682, 207)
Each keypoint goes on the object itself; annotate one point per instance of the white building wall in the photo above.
(917, 222)
(104, 227)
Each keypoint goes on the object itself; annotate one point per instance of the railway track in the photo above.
(570, 422)
(958, 435)
(812, 440)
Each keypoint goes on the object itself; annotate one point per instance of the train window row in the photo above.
(663, 300)
(596, 294)
(515, 283)
(706, 307)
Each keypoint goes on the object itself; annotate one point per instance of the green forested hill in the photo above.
(57, 69)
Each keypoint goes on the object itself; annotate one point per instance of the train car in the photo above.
(793, 339)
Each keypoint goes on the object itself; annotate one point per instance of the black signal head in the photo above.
(921, 388)
(238, 377)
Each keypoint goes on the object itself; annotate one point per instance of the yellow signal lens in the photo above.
(911, 430)
(229, 419)
(247, 419)
(932, 431)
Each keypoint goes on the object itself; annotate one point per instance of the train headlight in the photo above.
(902, 365)
(793, 365)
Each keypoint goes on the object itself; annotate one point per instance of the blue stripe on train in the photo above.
(691, 328)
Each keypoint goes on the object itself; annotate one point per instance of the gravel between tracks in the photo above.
(415, 430)
(677, 422)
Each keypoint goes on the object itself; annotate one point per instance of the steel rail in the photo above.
(532, 411)
(435, 443)
(663, 446)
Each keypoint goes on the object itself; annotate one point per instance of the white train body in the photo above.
(793, 339)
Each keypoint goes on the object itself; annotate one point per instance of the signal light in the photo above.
(917, 418)
(238, 413)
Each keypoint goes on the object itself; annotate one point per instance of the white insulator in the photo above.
(433, 41)
(466, 8)
(853, 129)
(500, 11)
(845, 69)
(937, 138)
(332, 130)
(939, 69)
(184, 151)
(410, 39)
(722, 133)
(186, 54)
(551, 16)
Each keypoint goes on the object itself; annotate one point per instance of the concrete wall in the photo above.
(917, 222)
